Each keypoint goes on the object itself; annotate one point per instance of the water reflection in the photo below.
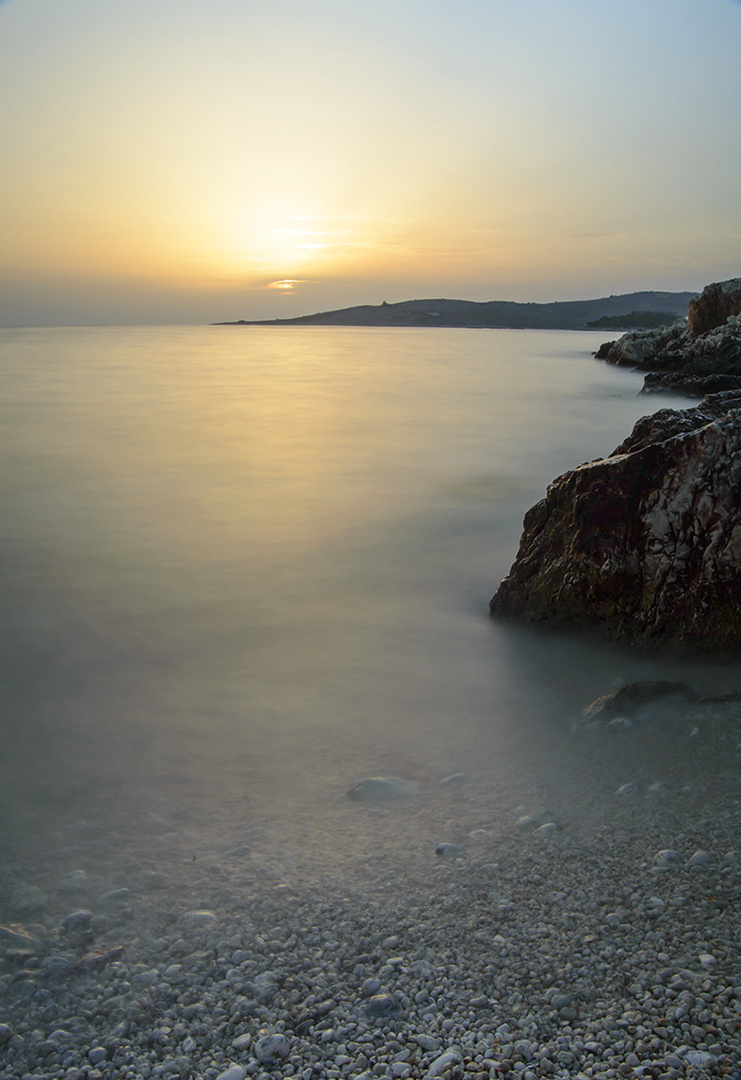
(245, 567)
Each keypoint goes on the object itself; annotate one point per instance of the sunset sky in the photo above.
(186, 161)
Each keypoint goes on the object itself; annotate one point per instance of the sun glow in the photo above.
(288, 285)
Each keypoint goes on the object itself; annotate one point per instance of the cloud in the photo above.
(285, 284)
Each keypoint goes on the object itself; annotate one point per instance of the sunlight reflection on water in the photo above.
(258, 561)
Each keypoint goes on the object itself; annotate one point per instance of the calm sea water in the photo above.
(248, 566)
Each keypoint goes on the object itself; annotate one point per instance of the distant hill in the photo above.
(493, 314)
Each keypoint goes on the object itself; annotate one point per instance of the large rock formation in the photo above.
(689, 355)
(643, 546)
(715, 304)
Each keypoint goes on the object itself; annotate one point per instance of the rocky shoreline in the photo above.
(461, 934)
(644, 546)
(695, 356)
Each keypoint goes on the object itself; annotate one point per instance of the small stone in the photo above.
(6, 1033)
(270, 1049)
(74, 881)
(665, 859)
(56, 967)
(627, 789)
(560, 1001)
(242, 1042)
(383, 1005)
(707, 960)
(25, 899)
(699, 860)
(115, 897)
(97, 1054)
(76, 920)
(234, 1072)
(701, 1059)
(441, 1063)
(382, 789)
(427, 1042)
(370, 987)
(527, 822)
(179, 1066)
(195, 919)
(449, 851)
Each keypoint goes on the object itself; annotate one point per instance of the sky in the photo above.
(190, 161)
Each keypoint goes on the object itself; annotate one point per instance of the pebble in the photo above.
(382, 789)
(195, 919)
(665, 859)
(442, 1063)
(74, 881)
(699, 860)
(271, 1049)
(517, 961)
(114, 897)
(428, 1043)
(234, 1072)
(382, 1005)
(449, 851)
(699, 1059)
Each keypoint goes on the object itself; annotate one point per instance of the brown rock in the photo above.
(643, 546)
(638, 698)
(715, 304)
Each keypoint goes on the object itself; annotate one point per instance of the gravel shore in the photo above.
(457, 933)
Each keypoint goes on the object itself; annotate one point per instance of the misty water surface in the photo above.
(244, 567)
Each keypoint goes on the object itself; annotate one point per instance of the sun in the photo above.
(285, 285)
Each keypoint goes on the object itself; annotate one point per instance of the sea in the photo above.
(245, 567)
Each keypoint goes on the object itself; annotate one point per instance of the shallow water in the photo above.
(244, 567)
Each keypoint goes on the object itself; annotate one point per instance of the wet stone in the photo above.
(271, 1049)
(234, 1072)
(383, 1005)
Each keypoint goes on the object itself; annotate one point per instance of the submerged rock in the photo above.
(643, 546)
(641, 699)
(382, 789)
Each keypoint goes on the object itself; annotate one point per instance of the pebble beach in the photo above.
(454, 929)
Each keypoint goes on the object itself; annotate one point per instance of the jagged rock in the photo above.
(690, 355)
(641, 347)
(690, 385)
(643, 546)
(715, 304)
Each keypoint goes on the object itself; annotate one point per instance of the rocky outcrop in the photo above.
(706, 345)
(689, 385)
(643, 546)
(715, 305)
